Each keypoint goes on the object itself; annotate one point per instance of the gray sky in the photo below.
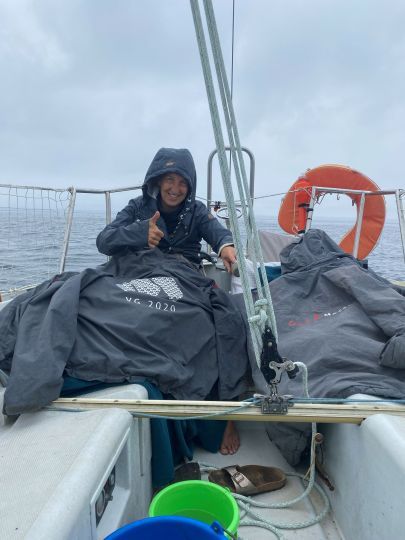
(90, 89)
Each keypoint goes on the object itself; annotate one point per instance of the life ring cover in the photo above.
(293, 209)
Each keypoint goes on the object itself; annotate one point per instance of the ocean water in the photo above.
(387, 258)
(31, 241)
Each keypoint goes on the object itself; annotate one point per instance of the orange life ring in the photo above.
(293, 214)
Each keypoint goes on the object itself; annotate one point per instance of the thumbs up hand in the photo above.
(154, 234)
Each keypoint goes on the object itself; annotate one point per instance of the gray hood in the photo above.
(317, 249)
(169, 160)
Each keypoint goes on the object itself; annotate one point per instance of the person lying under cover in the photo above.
(167, 216)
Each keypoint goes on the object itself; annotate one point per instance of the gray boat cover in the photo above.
(346, 323)
(145, 315)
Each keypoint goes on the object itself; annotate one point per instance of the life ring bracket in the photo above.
(296, 209)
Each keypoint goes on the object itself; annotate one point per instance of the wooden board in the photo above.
(351, 413)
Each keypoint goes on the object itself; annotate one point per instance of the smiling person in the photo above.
(167, 215)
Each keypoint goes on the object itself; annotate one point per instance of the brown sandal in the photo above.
(248, 479)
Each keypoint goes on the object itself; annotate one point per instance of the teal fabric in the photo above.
(72, 386)
(272, 272)
(172, 440)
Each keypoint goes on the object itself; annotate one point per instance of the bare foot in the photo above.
(230, 441)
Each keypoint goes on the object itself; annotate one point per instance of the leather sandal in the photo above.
(248, 479)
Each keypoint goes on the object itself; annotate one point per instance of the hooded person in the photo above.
(167, 215)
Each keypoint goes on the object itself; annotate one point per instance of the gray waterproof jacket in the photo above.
(146, 315)
(129, 230)
(346, 323)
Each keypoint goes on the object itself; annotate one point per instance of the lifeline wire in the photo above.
(247, 403)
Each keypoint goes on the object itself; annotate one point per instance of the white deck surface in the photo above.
(51, 466)
(257, 449)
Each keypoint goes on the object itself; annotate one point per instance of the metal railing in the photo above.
(67, 228)
(69, 221)
(210, 203)
(399, 195)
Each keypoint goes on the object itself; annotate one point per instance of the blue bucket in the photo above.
(168, 528)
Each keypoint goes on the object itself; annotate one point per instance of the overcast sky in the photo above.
(90, 89)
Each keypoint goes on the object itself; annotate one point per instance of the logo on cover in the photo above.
(314, 317)
(153, 287)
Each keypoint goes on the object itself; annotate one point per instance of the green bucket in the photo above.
(200, 500)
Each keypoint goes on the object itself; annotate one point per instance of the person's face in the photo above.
(173, 191)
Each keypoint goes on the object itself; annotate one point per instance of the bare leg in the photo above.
(230, 441)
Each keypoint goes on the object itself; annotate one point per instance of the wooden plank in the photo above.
(351, 413)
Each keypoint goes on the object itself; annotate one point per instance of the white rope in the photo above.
(239, 164)
(256, 312)
(255, 519)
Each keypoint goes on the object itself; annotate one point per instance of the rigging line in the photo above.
(232, 56)
(272, 195)
(233, 44)
(251, 198)
(219, 139)
(259, 196)
(240, 172)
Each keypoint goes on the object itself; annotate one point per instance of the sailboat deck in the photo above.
(256, 448)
